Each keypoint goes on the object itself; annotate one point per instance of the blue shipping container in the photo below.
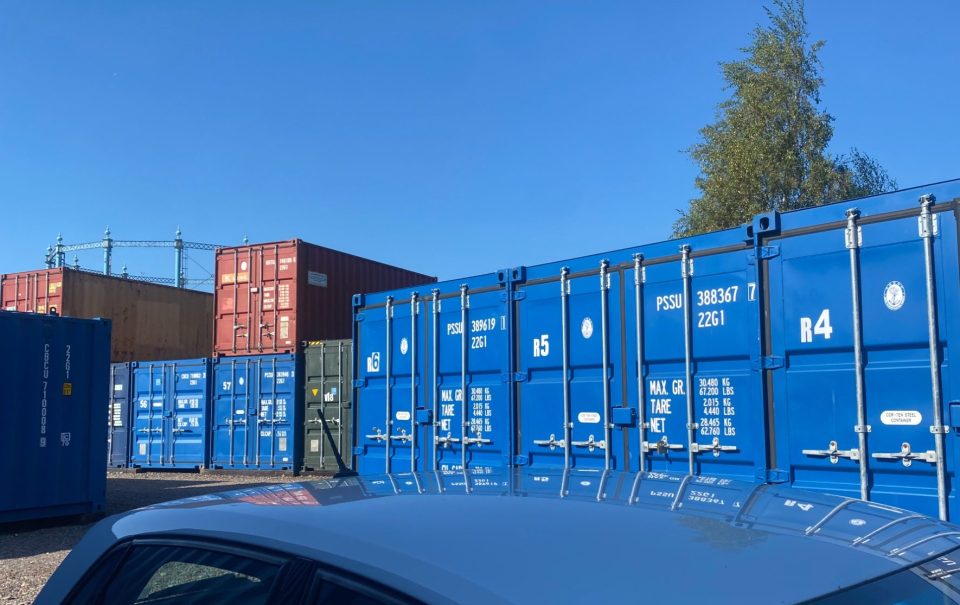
(171, 401)
(54, 373)
(809, 347)
(118, 416)
(413, 362)
(257, 418)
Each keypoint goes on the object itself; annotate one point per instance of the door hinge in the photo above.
(773, 475)
(514, 377)
(770, 362)
(765, 252)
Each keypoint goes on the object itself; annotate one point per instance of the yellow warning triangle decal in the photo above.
(315, 391)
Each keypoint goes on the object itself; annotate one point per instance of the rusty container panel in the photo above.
(272, 297)
(150, 322)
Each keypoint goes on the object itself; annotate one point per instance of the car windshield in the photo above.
(936, 582)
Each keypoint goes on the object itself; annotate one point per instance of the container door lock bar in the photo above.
(478, 440)
(714, 446)
(591, 444)
(662, 446)
(553, 443)
(907, 455)
(835, 454)
(403, 436)
(445, 441)
(379, 436)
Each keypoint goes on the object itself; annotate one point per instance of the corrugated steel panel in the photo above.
(257, 414)
(272, 297)
(170, 414)
(55, 374)
(327, 426)
(118, 416)
(810, 347)
(150, 321)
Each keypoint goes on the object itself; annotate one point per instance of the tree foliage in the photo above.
(767, 149)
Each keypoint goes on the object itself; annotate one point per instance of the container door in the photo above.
(150, 386)
(470, 343)
(186, 444)
(337, 405)
(859, 410)
(231, 412)
(327, 404)
(393, 335)
(118, 429)
(700, 364)
(276, 308)
(275, 420)
(572, 352)
(315, 424)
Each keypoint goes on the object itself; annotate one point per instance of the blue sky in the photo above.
(452, 138)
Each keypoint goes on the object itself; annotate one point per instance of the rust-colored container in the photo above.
(272, 297)
(150, 321)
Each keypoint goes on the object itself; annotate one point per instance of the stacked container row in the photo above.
(150, 321)
(53, 373)
(235, 413)
(810, 347)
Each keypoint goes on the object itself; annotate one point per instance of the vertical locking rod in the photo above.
(927, 232)
(436, 378)
(464, 418)
(565, 339)
(686, 272)
(607, 433)
(638, 279)
(414, 304)
(853, 244)
(388, 388)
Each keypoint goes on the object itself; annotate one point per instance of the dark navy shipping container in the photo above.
(257, 417)
(118, 416)
(55, 374)
(809, 347)
(171, 401)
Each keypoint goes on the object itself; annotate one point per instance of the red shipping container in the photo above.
(272, 297)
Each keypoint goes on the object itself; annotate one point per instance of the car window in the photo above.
(156, 574)
(331, 587)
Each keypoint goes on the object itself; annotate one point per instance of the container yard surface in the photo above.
(809, 347)
(150, 321)
(54, 373)
(30, 553)
(272, 297)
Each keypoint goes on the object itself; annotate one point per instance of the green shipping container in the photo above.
(329, 406)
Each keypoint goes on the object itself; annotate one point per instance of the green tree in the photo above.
(767, 149)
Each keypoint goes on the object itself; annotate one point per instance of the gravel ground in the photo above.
(29, 553)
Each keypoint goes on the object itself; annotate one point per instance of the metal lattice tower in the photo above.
(56, 256)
